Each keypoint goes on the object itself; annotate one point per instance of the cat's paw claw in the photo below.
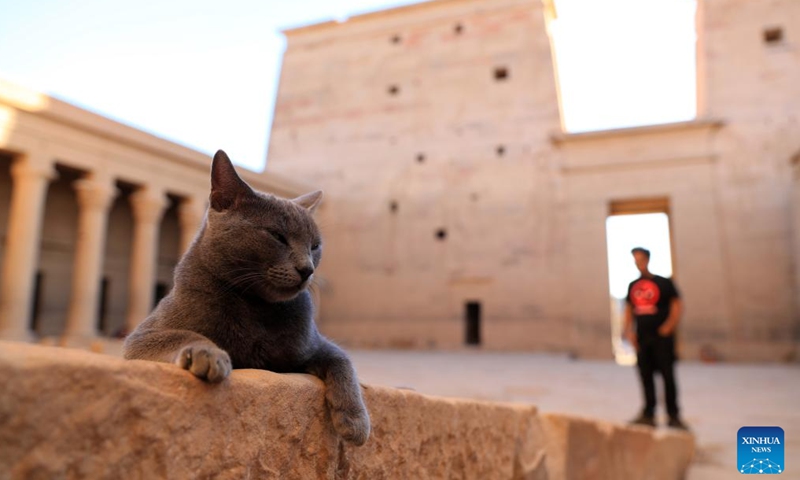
(207, 363)
(353, 425)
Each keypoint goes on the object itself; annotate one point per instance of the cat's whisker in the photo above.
(237, 270)
(246, 278)
(235, 283)
(250, 280)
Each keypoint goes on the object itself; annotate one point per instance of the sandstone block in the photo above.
(580, 449)
(69, 414)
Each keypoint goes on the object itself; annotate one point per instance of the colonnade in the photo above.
(95, 192)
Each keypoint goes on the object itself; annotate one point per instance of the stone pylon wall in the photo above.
(435, 132)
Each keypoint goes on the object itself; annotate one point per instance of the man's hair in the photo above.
(641, 250)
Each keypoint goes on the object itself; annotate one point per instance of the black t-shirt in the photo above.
(651, 299)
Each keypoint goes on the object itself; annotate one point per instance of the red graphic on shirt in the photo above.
(644, 297)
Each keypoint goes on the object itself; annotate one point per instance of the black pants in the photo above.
(657, 354)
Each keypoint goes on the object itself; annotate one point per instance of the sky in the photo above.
(205, 73)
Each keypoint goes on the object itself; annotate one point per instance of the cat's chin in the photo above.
(277, 294)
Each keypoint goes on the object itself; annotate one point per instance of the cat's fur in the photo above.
(241, 300)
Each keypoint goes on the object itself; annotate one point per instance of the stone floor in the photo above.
(716, 399)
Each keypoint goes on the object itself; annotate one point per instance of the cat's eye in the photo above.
(280, 238)
(315, 246)
(277, 236)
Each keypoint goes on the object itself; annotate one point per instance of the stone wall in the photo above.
(444, 116)
(67, 414)
(461, 146)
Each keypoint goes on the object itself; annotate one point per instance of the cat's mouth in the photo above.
(294, 290)
(283, 290)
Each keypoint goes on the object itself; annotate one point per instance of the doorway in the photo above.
(102, 307)
(36, 303)
(473, 323)
(634, 224)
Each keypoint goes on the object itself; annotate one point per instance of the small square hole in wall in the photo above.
(773, 35)
(420, 158)
(501, 150)
(396, 39)
(458, 29)
(393, 206)
(501, 74)
(441, 234)
(393, 90)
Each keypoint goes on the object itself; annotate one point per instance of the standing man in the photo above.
(654, 304)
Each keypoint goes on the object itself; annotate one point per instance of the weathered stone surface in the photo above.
(580, 448)
(72, 414)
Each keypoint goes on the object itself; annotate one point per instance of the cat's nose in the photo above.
(305, 272)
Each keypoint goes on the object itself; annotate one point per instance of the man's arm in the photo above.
(627, 330)
(675, 312)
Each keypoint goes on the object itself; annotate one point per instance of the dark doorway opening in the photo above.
(102, 308)
(36, 308)
(473, 323)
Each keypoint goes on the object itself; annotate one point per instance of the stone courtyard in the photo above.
(716, 399)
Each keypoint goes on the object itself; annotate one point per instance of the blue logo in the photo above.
(760, 450)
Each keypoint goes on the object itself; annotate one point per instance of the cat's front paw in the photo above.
(208, 363)
(352, 424)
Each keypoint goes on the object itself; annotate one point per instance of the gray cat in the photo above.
(240, 299)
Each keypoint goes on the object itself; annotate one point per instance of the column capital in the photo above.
(94, 194)
(148, 204)
(33, 167)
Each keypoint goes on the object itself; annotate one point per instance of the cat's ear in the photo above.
(226, 186)
(309, 201)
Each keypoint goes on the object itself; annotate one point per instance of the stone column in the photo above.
(191, 212)
(94, 201)
(148, 206)
(30, 178)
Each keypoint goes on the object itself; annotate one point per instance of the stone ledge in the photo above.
(590, 449)
(73, 414)
(709, 124)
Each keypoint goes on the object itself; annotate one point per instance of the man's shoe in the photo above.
(675, 422)
(643, 419)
